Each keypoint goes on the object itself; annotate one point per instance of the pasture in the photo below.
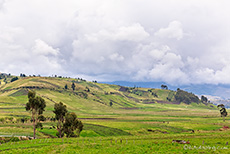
(203, 143)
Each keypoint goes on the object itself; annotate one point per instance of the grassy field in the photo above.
(136, 122)
(202, 143)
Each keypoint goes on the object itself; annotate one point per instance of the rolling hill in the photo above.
(222, 91)
(106, 110)
(87, 98)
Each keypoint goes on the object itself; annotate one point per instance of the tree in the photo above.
(22, 120)
(14, 79)
(204, 99)
(72, 126)
(164, 87)
(60, 112)
(66, 86)
(22, 75)
(41, 118)
(154, 94)
(87, 89)
(36, 106)
(185, 97)
(73, 86)
(223, 111)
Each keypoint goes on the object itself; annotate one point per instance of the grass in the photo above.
(130, 125)
(105, 131)
(143, 144)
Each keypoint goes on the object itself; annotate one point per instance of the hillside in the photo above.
(222, 91)
(119, 110)
(87, 98)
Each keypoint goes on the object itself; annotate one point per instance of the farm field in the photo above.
(116, 119)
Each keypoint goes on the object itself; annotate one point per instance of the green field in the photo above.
(136, 122)
(202, 143)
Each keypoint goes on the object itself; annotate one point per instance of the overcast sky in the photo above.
(175, 41)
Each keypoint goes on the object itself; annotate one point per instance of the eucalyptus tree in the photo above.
(223, 111)
(36, 106)
(60, 112)
(73, 86)
(72, 126)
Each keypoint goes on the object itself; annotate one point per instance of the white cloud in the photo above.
(134, 32)
(174, 30)
(161, 65)
(116, 57)
(169, 74)
(172, 41)
(159, 54)
(11, 34)
(222, 76)
(41, 48)
(1, 3)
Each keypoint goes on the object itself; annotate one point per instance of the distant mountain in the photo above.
(221, 91)
(219, 101)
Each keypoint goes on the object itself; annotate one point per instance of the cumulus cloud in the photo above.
(174, 30)
(133, 32)
(17, 57)
(159, 63)
(41, 48)
(172, 41)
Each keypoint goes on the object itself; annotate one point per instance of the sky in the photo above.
(173, 41)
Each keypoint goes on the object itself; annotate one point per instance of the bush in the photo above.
(14, 79)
